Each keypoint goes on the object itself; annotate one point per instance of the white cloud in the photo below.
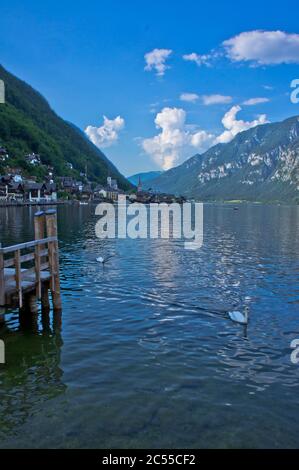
(203, 59)
(189, 97)
(233, 126)
(201, 140)
(174, 140)
(216, 99)
(264, 47)
(107, 134)
(155, 60)
(254, 101)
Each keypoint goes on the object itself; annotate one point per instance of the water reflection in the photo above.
(149, 356)
(32, 373)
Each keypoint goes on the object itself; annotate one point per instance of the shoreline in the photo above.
(33, 203)
(93, 202)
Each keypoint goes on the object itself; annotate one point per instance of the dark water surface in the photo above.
(145, 355)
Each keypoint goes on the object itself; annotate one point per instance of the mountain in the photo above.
(260, 164)
(28, 124)
(144, 177)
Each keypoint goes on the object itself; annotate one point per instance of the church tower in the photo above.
(139, 187)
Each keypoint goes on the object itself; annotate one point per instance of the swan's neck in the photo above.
(246, 313)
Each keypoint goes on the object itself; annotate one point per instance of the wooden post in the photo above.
(45, 297)
(2, 280)
(18, 276)
(39, 225)
(37, 262)
(51, 224)
(39, 233)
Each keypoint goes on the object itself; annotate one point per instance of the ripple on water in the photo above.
(146, 354)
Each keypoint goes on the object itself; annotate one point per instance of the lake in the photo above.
(144, 354)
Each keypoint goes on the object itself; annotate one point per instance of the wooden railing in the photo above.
(41, 261)
(43, 255)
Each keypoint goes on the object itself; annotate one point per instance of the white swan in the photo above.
(102, 260)
(240, 317)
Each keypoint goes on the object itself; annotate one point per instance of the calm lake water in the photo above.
(144, 354)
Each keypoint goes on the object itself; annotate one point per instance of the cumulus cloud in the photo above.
(201, 140)
(233, 126)
(156, 60)
(189, 97)
(216, 99)
(263, 47)
(199, 59)
(107, 134)
(254, 101)
(174, 139)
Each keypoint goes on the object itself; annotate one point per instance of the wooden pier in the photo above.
(30, 270)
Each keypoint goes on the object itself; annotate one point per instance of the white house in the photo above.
(33, 159)
(38, 192)
(17, 178)
(100, 191)
(3, 154)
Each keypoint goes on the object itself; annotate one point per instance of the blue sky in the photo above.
(88, 60)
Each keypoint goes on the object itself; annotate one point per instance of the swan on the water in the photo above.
(240, 317)
(102, 260)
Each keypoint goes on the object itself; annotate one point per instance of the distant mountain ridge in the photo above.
(260, 164)
(145, 177)
(28, 124)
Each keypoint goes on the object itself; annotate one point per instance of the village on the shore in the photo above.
(17, 189)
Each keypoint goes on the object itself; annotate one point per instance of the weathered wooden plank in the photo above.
(31, 271)
(16, 281)
(26, 245)
(27, 284)
(24, 258)
(9, 273)
(43, 253)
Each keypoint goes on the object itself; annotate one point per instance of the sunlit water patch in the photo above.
(145, 354)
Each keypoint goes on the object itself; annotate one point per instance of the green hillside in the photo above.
(28, 124)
